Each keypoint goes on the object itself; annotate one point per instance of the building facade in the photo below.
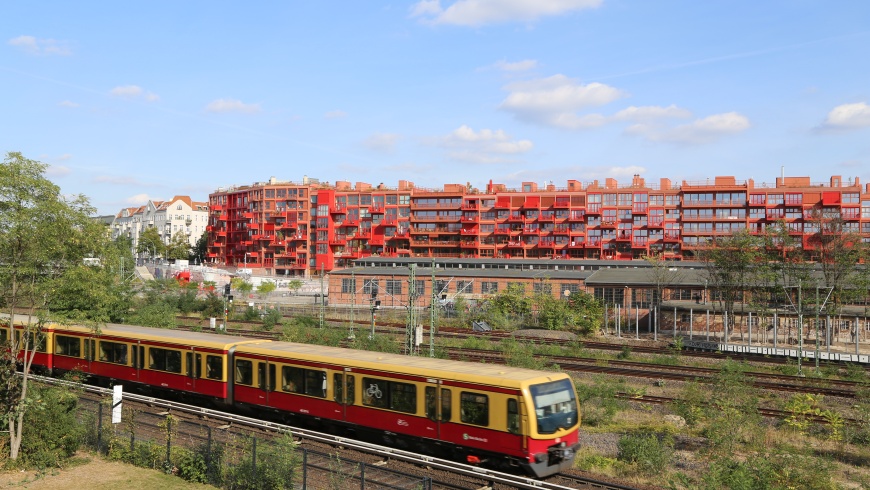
(327, 227)
(177, 215)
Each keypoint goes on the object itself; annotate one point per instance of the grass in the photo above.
(94, 473)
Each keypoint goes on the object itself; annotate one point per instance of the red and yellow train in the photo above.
(489, 414)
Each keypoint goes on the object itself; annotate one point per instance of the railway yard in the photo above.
(626, 386)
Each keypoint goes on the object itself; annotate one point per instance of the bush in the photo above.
(51, 431)
(276, 465)
(599, 401)
(646, 452)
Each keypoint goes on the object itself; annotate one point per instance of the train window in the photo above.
(193, 369)
(264, 381)
(445, 405)
(113, 352)
(244, 372)
(380, 393)
(474, 408)
(67, 346)
(304, 381)
(403, 397)
(555, 406)
(40, 340)
(164, 360)
(431, 403)
(214, 367)
(4, 335)
(513, 417)
(339, 388)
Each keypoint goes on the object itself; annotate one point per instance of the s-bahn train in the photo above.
(498, 416)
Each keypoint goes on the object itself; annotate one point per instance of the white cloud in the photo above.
(45, 47)
(336, 114)
(381, 142)
(515, 66)
(555, 101)
(647, 113)
(138, 199)
(700, 131)
(484, 146)
(848, 116)
(68, 103)
(133, 92)
(232, 105)
(480, 12)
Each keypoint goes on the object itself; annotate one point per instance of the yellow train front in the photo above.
(499, 416)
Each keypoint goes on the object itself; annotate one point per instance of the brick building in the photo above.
(327, 227)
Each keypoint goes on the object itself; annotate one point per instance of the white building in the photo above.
(177, 215)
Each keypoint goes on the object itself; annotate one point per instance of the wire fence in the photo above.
(229, 456)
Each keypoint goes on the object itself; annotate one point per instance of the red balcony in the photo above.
(531, 231)
(502, 231)
(221, 233)
(593, 242)
(401, 234)
(222, 217)
(338, 240)
(655, 222)
(300, 264)
(365, 233)
(469, 219)
(594, 208)
(248, 215)
(562, 202)
(389, 220)
(514, 243)
(338, 208)
(547, 244)
(470, 231)
(547, 217)
(639, 208)
(470, 206)
(639, 242)
(216, 207)
(672, 235)
(577, 242)
(516, 217)
(562, 229)
(469, 244)
(623, 236)
(376, 240)
(376, 208)
(608, 224)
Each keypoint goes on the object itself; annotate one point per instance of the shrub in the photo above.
(646, 452)
(51, 431)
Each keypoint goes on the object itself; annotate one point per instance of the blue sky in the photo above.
(135, 101)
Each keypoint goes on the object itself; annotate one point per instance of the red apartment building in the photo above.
(290, 229)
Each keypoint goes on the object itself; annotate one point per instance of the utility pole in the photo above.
(352, 301)
(412, 308)
(322, 298)
(432, 314)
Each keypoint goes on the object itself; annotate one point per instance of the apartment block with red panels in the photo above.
(360, 221)
(595, 220)
(262, 226)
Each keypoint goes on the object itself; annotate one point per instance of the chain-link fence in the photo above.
(229, 456)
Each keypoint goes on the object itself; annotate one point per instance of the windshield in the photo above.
(555, 406)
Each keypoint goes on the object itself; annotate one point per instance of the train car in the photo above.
(38, 337)
(494, 415)
(491, 414)
(190, 364)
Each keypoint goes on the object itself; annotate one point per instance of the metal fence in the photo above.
(230, 456)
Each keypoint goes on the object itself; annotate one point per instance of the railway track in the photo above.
(444, 474)
(773, 382)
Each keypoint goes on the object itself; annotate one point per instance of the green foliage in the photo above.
(271, 317)
(159, 315)
(276, 465)
(779, 468)
(266, 287)
(199, 251)
(647, 453)
(52, 432)
(212, 306)
(624, 353)
(521, 355)
(512, 304)
(691, 403)
(732, 412)
(251, 314)
(294, 285)
(599, 401)
(178, 247)
(150, 242)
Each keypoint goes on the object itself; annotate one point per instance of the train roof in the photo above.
(165, 335)
(410, 365)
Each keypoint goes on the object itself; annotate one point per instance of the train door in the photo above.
(343, 391)
(90, 353)
(265, 380)
(437, 404)
(138, 358)
(194, 367)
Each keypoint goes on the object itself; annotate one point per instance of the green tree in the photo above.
(150, 243)
(178, 247)
(295, 285)
(42, 235)
(510, 304)
(265, 288)
(200, 250)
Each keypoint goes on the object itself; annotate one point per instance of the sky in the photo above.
(131, 101)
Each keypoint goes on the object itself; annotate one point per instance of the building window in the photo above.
(488, 287)
(371, 286)
(441, 286)
(463, 287)
(348, 286)
(394, 287)
(543, 287)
